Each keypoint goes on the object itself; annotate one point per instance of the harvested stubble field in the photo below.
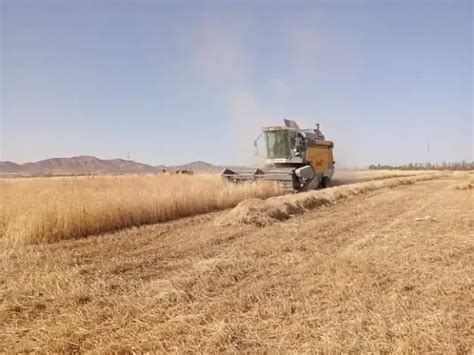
(381, 265)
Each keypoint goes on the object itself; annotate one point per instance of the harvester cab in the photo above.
(299, 159)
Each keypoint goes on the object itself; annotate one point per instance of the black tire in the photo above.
(326, 182)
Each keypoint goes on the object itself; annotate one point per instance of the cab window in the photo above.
(277, 144)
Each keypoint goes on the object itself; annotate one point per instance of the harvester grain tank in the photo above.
(299, 159)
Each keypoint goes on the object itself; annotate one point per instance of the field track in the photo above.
(389, 270)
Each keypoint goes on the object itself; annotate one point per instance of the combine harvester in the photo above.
(298, 159)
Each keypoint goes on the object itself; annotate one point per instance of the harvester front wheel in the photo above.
(326, 182)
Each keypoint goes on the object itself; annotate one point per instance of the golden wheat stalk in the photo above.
(44, 210)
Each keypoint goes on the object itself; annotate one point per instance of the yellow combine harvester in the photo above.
(299, 159)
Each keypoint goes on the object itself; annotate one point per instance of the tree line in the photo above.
(462, 165)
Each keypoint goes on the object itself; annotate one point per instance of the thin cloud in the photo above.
(217, 53)
(248, 117)
(278, 87)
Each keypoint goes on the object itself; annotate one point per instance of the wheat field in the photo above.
(373, 267)
(43, 210)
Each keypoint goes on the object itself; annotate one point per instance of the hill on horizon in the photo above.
(86, 165)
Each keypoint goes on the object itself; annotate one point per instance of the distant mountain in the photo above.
(196, 166)
(77, 166)
(9, 167)
(86, 165)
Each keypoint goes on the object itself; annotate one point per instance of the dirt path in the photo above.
(389, 270)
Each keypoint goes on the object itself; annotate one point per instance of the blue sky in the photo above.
(167, 83)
